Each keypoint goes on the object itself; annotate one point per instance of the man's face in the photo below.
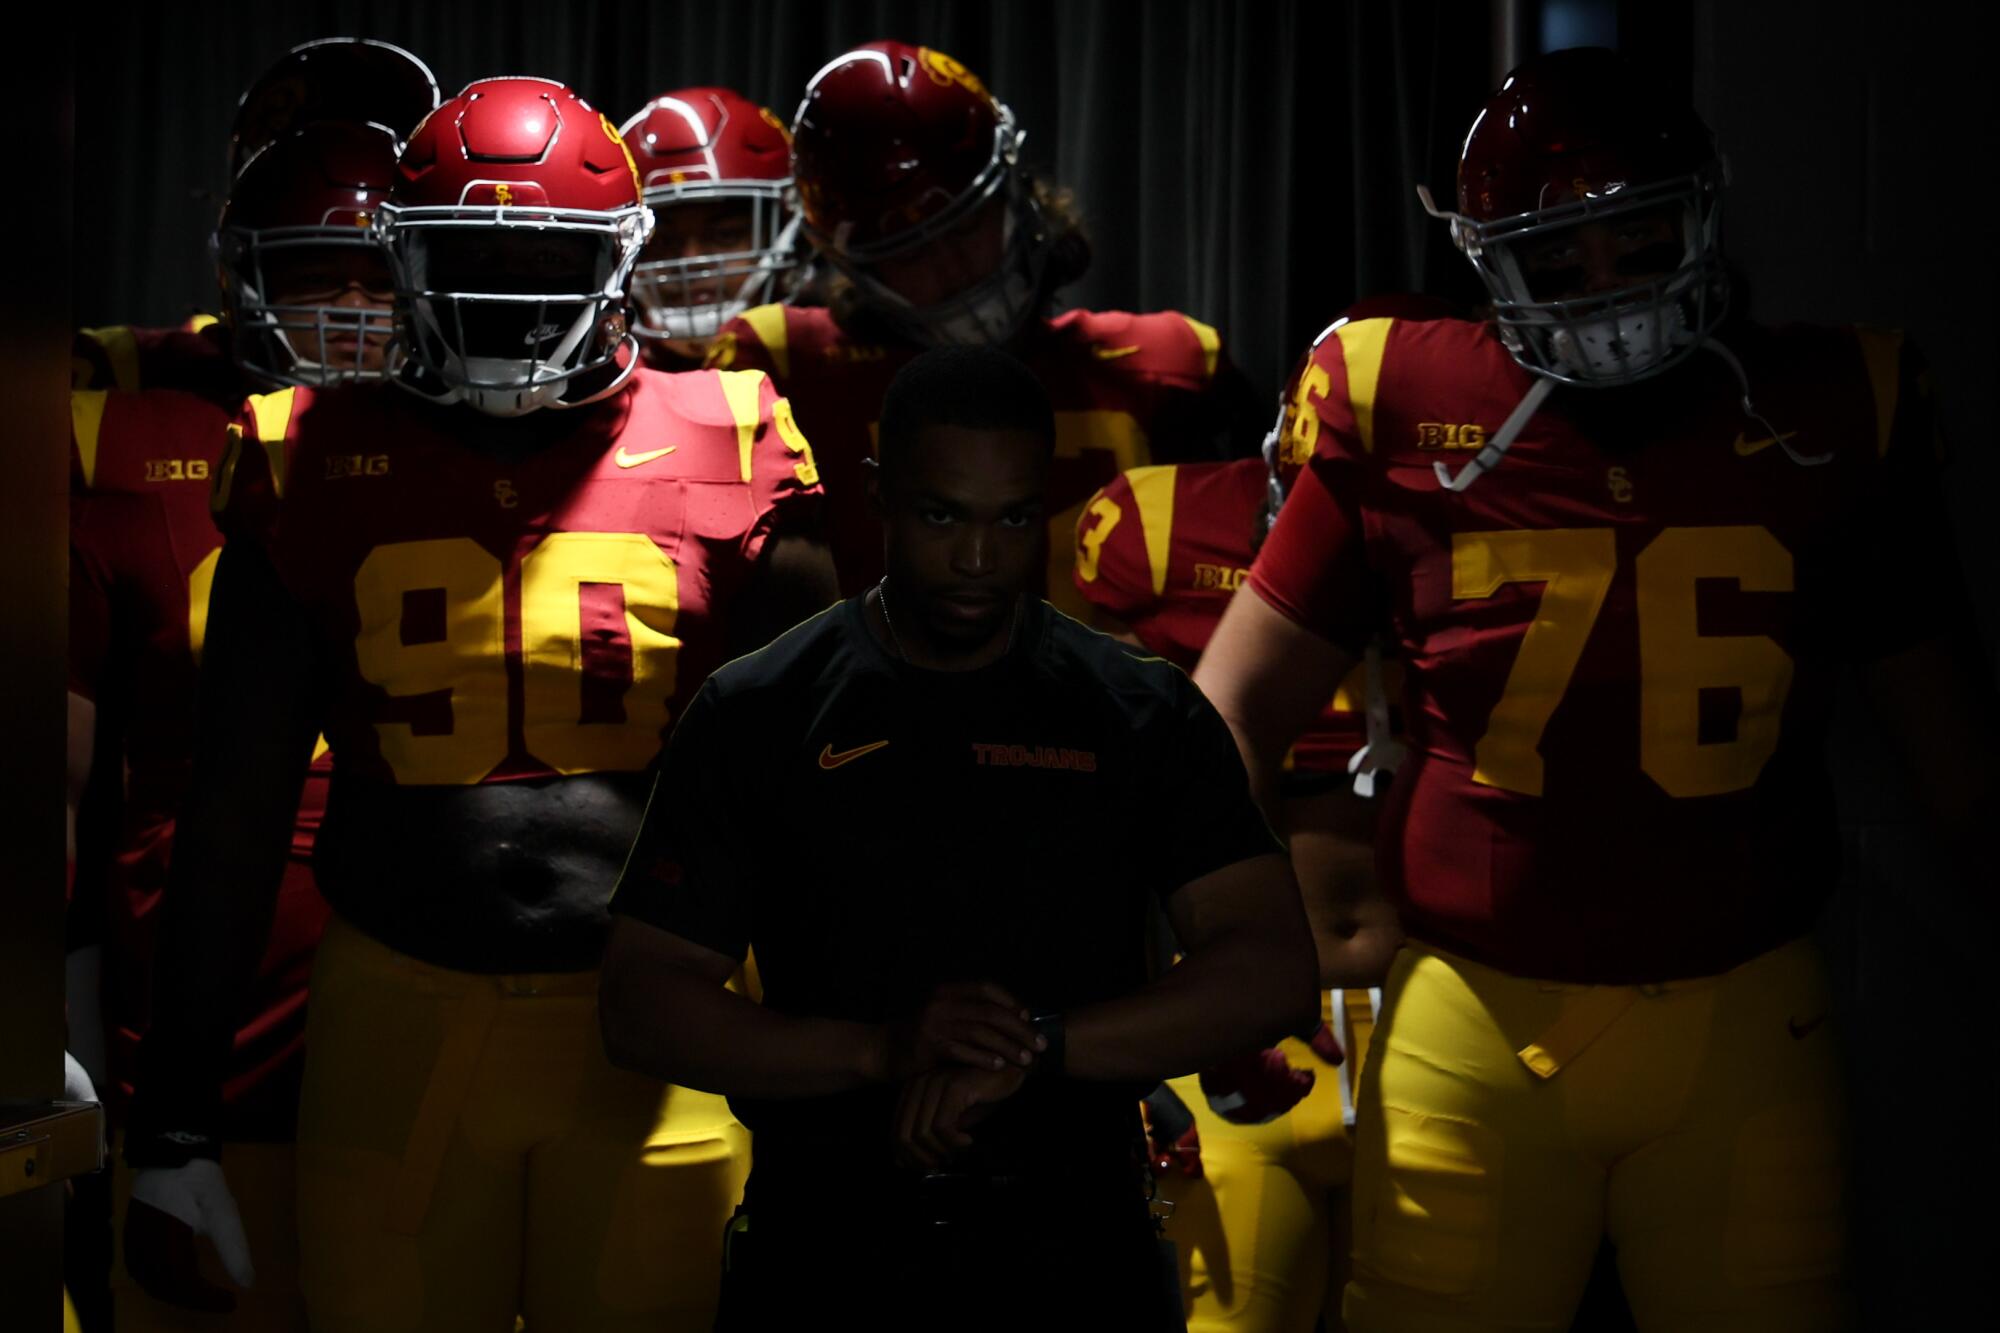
(708, 227)
(953, 262)
(340, 277)
(965, 533)
(1573, 263)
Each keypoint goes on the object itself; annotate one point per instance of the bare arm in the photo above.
(664, 1011)
(1269, 678)
(1247, 977)
(1354, 925)
(82, 739)
(252, 746)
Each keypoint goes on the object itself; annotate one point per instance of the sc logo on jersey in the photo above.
(1444, 435)
(177, 469)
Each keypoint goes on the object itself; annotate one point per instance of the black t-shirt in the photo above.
(873, 829)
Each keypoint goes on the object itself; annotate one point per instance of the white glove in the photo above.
(198, 1195)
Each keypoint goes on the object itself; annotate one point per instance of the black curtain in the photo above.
(1251, 164)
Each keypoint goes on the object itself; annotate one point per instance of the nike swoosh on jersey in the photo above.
(829, 760)
(1745, 448)
(623, 459)
(1800, 1031)
(1103, 353)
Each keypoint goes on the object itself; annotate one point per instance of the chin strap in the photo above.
(1383, 753)
(1750, 409)
(1496, 448)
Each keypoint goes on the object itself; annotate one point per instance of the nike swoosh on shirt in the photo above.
(1103, 353)
(1745, 448)
(1800, 1031)
(828, 759)
(623, 459)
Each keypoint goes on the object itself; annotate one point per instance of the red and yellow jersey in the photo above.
(496, 613)
(1620, 643)
(1127, 389)
(143, 551)
(1163, 549)
(191, 356)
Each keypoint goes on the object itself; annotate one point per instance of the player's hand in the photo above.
(171, 1206)
(1251, 1089)
(1327, 1046)
(939, 1107)
(975, 1024)
(1173, 1143)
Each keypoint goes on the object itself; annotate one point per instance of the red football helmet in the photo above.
(512, 232)
(337, 78)
(1579, 137)
(305, 285)
(896, 146)
(714, 164)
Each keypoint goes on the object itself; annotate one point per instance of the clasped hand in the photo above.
(968, 1048)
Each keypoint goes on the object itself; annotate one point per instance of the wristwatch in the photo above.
(1052, 1061)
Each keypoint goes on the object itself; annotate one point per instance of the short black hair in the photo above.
(979, 388)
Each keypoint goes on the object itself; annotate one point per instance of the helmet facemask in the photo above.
(693, 296)
(988, 311)
(504, 308)
(1612, 337)
(282, 287)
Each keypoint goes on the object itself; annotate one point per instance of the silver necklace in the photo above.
(882, 600)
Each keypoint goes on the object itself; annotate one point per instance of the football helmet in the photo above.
(296, 237)
(897, 146)
(1579, 137)
(512, 231)
(701, 147)
(336, 78)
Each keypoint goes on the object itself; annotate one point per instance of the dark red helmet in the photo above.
(700, 151)
(1579, 137)
(305, 284)
(896, 146)
(512, 231)
(337, 78)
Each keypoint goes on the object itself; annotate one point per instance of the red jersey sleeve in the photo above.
(776, 461)
(1114, 570)
(1314, 567)
(757, 339)
(251, 479)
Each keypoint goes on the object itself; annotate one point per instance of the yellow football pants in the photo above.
(1262, 1234)
(467, 1154)
(1506, 1125)
(261, 1178)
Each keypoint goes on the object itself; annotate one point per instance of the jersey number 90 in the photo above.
(594, 614)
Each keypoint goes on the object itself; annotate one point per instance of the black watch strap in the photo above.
(1053, 1060)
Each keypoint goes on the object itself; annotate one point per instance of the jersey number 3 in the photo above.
(595, 613)
(1575, 567)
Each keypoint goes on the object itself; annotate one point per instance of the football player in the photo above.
(1625, 543)
(495, 602)
(1261, 1222)
(306, 290)
(911, 182)
(346, 79)
(718, 175)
